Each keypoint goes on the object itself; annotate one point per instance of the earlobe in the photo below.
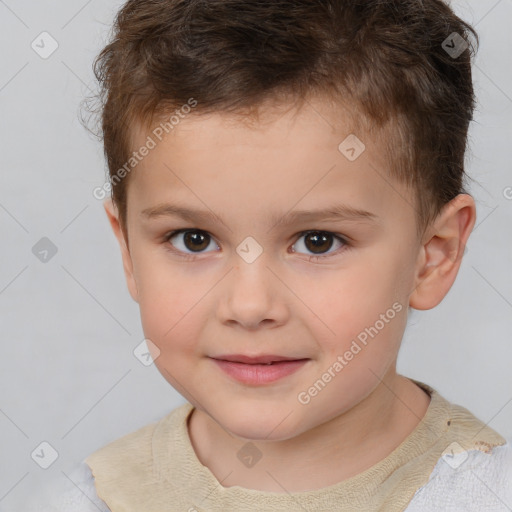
(113, 217)
(441, 252)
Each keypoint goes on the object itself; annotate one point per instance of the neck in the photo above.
(330, 453)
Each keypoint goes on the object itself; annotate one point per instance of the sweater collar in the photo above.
(157, 469)
(445, 428)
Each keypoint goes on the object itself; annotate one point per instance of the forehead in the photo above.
(286, 157)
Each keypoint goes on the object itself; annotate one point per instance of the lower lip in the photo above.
(260, 373)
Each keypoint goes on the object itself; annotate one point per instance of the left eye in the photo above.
(319, 242)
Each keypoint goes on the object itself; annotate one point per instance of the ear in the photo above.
(441, 252)
(113, 217)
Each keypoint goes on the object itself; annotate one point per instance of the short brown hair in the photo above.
(387, 59)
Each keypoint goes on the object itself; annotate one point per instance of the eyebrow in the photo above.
(333, 213)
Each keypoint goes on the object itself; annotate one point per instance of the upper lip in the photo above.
(263, 359)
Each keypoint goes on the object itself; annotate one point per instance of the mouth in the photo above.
(263, 359)
(258, 370)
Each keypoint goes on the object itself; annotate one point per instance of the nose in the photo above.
(252, 297)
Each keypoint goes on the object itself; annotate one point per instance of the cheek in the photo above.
(369, 338)
(167, 303)
(166, 324)
(367, 307)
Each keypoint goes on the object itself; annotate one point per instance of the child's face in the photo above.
(201, 296)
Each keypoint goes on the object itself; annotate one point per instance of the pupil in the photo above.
(195, 241)
(318, 239)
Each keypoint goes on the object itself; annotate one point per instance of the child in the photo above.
(287, 182)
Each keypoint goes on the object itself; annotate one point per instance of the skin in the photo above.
(284, 303)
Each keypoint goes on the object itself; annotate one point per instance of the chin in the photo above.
(257, 425)
(258, 433)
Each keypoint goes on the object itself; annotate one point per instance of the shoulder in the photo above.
(118, 461)
(73, 492)
(123, 448)
(470, 481)
(135, 451)
(129, 468)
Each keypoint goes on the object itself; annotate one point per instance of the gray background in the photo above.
(68, 375)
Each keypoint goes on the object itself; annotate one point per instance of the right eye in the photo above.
(194, 240)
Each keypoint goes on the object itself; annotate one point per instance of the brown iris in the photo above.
(196, 240)
(320, 241)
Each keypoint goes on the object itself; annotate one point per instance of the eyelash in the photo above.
(313, 257)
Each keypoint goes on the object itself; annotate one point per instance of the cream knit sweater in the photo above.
(450, 462)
